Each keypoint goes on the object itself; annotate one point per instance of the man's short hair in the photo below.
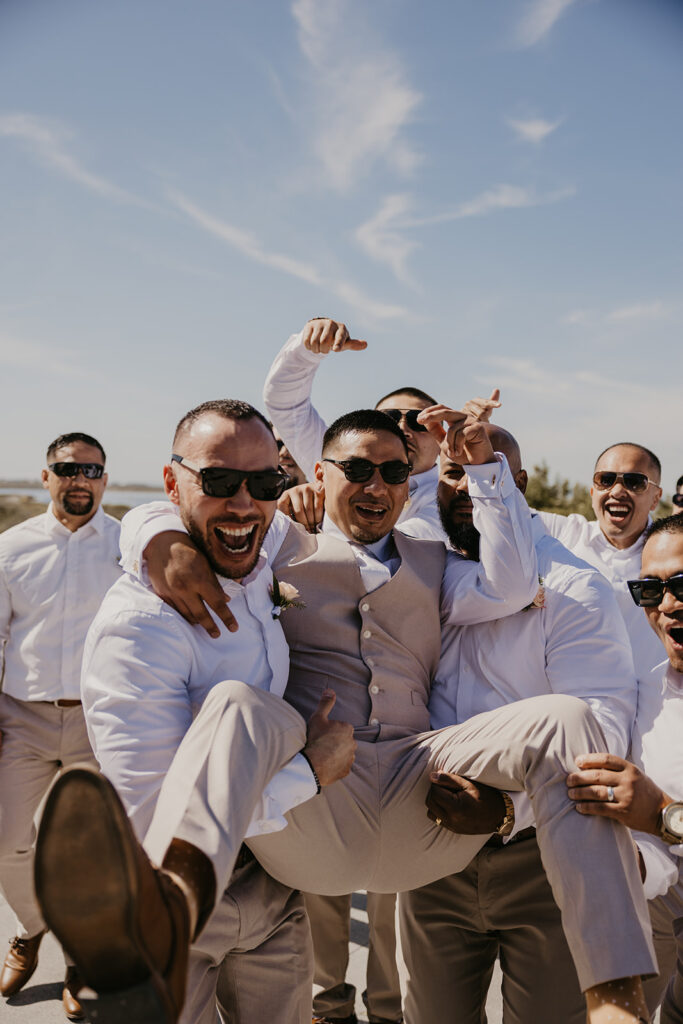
(228, 408)
(413, 392)
(65, 439)
(672, 524)
(679, 482)
(654, 461)
(362, 421)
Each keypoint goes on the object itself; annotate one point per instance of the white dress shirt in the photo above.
(287, 397)
(587, 540)
(575, 644)
(146, 672)
(52, 581)
(657, 748)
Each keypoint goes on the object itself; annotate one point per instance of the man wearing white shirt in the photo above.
(377, 649)
(571, 640)
(287, 396)
(646, 793)
(54, 571)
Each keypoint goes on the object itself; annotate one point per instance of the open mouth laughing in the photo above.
(370, 512)
(236, 540)
(617, 511)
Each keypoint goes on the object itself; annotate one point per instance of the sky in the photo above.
(489, 193)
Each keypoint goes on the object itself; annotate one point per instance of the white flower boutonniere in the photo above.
(539, 600)
(284, 595)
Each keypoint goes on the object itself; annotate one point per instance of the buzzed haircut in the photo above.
(672, 524)
(362, 421)
(65, 439)
(413, 392)
(228, 408)
(654, 461)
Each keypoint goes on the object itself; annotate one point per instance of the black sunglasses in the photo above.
(359, 471)
(649, 593)
(221, 482)
(410, 416)
(637, 483)
(678, 500)
(90, 470)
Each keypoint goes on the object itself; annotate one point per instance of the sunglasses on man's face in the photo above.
(409, 415)
(221, 482)
(637, 483)
(649, 593)
(90, 470)
(359, 471)
(678, 500)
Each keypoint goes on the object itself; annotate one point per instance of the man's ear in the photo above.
(318, 472)
(43, 477)
(521, 480)
(171, 485)
(656, 499)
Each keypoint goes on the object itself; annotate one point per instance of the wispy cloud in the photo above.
(48, 142)
(363, 101)
(639, 313)
(382, 242)
(538, 19)
(533, 130)
(250, 246)
(39, 358)
(500, 197)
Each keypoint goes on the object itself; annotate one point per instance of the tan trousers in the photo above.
(453, 930)
(330, 918)
(38, 740)
(370, 830)
(666, 913)
(254, 957)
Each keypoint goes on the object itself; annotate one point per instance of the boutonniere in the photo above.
(284, 595)
(539, 600)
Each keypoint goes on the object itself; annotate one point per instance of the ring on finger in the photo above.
(610, 795)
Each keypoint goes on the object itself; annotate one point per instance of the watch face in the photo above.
(673, 819)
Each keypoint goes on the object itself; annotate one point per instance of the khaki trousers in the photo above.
(330, 918)
(254, 957)
(453, 930)
(38, 740)
(666, 913)
(370, 830)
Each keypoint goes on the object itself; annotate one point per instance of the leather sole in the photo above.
(87, 886)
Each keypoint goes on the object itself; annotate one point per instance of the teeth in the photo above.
(371, 509)
(230, 534)
(236, 531)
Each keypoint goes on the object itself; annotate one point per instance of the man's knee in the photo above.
(561, 716)
(232, 695)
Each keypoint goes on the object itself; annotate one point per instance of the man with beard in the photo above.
(54, 571)
(569, 640)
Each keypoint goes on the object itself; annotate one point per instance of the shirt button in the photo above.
(374, 689)
(370, 662)
(365, 607)
(367, 633)
(374, 721)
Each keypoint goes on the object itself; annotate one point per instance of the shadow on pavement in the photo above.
(37, 994)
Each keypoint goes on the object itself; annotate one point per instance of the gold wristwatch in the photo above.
(508, 823)
(671, 823)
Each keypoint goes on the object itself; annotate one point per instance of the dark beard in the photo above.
(80, 507)
(464, 536)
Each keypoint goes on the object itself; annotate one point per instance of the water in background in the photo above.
(111, 497)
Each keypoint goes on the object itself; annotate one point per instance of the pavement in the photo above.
(40, 1002)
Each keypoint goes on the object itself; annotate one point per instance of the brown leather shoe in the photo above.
(72, 984)
(123, 922)
(20, 963)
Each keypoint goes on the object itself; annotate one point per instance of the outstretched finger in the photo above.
(326, 703)
(601, 760)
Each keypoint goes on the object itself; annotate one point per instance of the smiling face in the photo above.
(75, 499)
(364, 512)
(663, 557)
(621, 514)
(229, 531)
(422, 447)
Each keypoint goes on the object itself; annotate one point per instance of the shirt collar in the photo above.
(53, 525)
(380, 549)
(674, 680)
(235, 587)
(419, 481)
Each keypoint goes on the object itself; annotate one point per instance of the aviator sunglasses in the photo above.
(637, 483)
(359, 471)
(221, 482)
(649, 593)
(90, 470)
(410, 416)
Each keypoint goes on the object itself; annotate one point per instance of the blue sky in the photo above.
(488, 192)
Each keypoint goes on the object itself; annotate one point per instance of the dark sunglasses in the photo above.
(359, 471)
(90, 470)
(221, 482)
(637, 483)
(678, 500)
(649, 593)
(410, 416)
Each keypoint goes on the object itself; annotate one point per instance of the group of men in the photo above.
(272, 704)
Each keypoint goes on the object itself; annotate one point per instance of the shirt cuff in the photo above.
(524, 813)
(296, 344)
(293, 785)
(490, 480)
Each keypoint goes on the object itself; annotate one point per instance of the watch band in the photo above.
(671, 835)
(508, 823)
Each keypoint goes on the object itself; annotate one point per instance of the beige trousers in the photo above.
(330, 918)
(666, 913)
(370, 830)
(38, 740)
(453, 930)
